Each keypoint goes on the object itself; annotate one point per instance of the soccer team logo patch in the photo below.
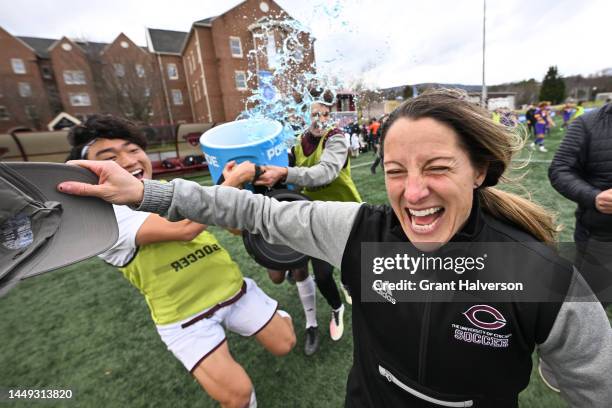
(473, 313)
(486, 322)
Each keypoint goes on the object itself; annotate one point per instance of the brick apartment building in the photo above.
(196, 76)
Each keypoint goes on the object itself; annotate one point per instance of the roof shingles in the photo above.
(166, 41)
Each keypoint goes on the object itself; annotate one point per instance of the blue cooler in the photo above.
(257, 140)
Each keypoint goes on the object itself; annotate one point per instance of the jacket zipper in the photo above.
(424, 340)
(391, 378)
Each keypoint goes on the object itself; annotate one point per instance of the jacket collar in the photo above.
(474, 224)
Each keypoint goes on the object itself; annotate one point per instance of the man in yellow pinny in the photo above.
(192, 286)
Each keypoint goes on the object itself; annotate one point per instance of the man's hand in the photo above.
(115, 184)
(603, 201)
(236, 175)
(271, 175)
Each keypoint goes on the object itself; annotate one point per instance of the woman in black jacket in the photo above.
(442, 157)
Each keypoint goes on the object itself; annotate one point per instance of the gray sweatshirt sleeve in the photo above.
(332, 160)
(579, 349)
(315, 228)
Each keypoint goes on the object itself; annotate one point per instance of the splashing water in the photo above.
(283, 91)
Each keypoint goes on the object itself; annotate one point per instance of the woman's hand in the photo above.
(236, 175)
(271, 175)
(115, 184)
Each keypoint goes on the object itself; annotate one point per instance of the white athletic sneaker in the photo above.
(336, 325)
(543, 149)
(532, 146)
(347, 296)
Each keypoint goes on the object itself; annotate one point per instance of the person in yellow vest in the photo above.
(191, 285)
(496, 116)
(578, 112)
(322, 170)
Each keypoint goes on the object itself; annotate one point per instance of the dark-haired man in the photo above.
(193, 288)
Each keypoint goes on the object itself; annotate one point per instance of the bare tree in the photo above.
(126, 86)
(365, 96)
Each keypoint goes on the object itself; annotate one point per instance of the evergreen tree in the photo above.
(407, 92)
(553, 87)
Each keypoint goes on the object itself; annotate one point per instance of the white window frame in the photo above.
(25, 89)
(176, 73)
(233, 46)
(140, 71)
(271, 51)
(74, 77)
(79, 99)
(119, 70)
(240, 88)
(177, 97)
(18, 66)
(4, 113)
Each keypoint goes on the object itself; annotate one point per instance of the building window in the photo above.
(140, 71)
(177, 97)
(25, 90)
(236, 47)
(172, 71)
(79, 99)
(46, 73)
(4, 114)
(119, 70)
(31, 112)
(192, 61)
(345, 104)
(147, 92)
(271, 51)
(240, 80)
(74, 78)
(18, 66)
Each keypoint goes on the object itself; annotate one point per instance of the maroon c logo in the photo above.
(471, 315)
(192, 138)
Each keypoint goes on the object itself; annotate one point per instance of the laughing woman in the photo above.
(442, 158)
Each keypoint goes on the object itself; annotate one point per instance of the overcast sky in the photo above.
(381, 42)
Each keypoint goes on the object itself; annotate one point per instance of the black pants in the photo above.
(375, 164)
(324, 278)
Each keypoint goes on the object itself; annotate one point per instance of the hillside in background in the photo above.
(577, 87)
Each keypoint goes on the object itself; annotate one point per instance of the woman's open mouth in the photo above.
(424, 221)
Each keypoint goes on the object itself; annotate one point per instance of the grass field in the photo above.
(86, 329)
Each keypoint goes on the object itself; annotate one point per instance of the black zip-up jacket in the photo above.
(582, 168)
(407, 354)
(406, 349)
